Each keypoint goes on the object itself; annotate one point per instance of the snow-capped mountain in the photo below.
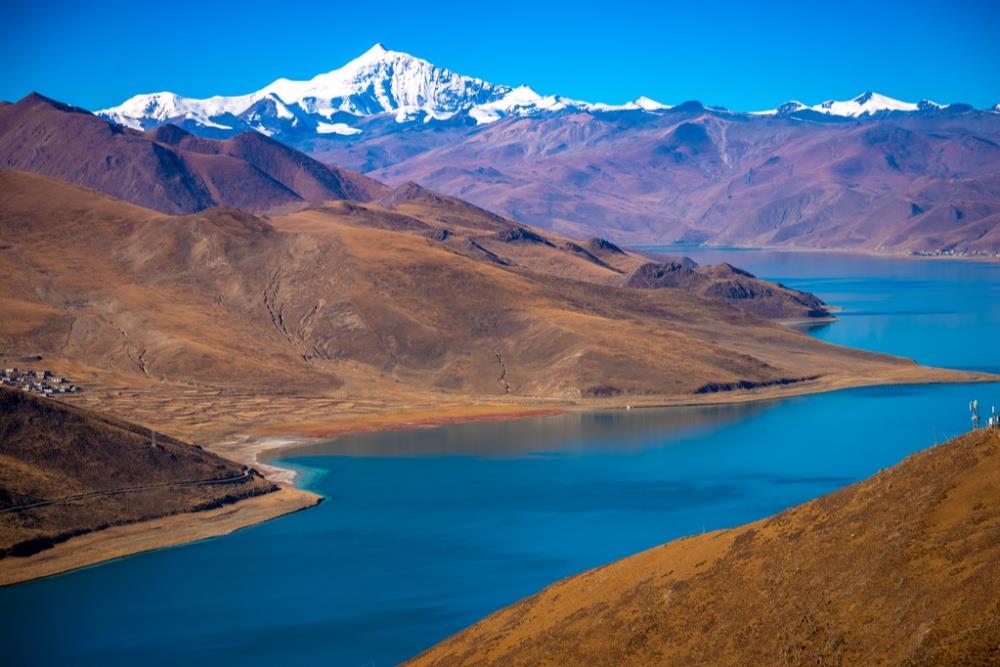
(867, 103)
(521, 101)
(379, 82)
(383, 86)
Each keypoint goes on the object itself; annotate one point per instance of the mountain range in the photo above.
(205, 281)
(871, 173)
(383, 82)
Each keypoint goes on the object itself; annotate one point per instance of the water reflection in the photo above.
(608, 430)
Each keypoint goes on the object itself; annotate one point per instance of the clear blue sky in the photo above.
(743, 55)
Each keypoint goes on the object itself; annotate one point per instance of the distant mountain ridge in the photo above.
(909, 182)
(391, 84)
(871, 173)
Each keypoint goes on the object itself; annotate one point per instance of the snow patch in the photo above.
(336, 128)
(520, 101)
(866, 103)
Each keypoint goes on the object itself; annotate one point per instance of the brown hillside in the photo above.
(736, 286)
(479, 234)
(894, 183)
(324, 304)
(901, 569)
(102, 472)
(167, 169)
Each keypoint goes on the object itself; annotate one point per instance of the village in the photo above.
(42, 382)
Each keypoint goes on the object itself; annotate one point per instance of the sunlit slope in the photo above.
(65, 472)
(313, 303)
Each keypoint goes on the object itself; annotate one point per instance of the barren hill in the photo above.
(168, 169)
(358, 300)
(479, 234)
(66, 472)
(922, 182)
(900, 569)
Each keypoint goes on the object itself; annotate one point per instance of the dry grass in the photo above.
(218, 324)
(101, 472)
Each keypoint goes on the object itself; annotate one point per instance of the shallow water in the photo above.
(425, 532)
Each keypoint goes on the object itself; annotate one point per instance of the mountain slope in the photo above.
(231, 171)
(911, 184)
(900, 569)
(116, 473)
(167, 169)
(359, 301)
(479, 234)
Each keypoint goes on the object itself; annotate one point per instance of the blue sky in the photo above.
(743, 55)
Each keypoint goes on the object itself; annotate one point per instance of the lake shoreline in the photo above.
(655, 476)
(932, 496)
(260, 451)
(860, 252)
(116, 542)
(262, 445)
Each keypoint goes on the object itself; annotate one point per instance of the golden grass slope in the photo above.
(477, 233)
(66, 472)
(901, 569)
(337, 305)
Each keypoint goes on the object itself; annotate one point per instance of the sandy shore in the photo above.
(119, 541)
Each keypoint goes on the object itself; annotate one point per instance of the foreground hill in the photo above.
(900, 569)
(168, 169)
(348, 302)
(67, 472)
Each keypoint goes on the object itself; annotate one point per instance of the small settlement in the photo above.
(39, 382)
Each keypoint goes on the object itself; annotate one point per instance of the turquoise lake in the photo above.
(423, 533)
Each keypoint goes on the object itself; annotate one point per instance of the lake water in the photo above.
(425, 532)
